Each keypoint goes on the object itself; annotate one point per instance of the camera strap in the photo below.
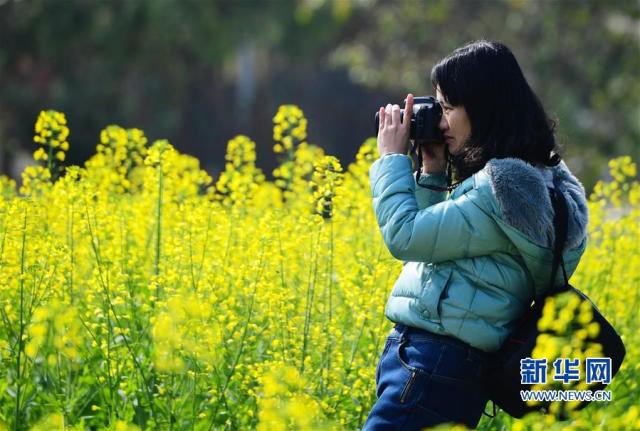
(418, 165)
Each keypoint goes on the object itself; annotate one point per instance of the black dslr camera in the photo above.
(425, 119)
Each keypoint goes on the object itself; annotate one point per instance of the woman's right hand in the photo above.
(433, 158)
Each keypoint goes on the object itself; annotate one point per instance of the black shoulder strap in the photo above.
(560, 222)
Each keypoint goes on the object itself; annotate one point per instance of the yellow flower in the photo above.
(40, 154)
(235, 304)
(327, 179)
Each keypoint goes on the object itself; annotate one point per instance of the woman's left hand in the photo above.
(393, 135)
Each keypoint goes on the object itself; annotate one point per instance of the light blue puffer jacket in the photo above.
(473, 261)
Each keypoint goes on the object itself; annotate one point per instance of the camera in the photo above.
(425, 119)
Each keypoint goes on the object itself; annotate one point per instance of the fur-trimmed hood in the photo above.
(523, 198)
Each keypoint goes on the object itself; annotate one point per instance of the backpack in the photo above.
(503, 381)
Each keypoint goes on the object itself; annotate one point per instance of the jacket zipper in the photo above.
(407, 387)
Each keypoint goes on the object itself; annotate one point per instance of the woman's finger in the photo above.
(381, 118)
(387, 112)
(408, 113)
(395, 115)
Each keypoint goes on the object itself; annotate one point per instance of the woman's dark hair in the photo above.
(507, 118)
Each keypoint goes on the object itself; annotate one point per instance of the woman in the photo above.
(474, 260)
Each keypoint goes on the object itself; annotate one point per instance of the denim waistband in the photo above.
(402, 332)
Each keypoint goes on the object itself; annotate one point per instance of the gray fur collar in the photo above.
(522, 196)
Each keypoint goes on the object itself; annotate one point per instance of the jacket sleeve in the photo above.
(452, 229)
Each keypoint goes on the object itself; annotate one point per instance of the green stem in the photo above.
(327, 358)
(105, 310)
(193, 278)
(18, 413)
(5, 318)
(138, 366)
(71, 251)
(69, 387)
(227, 252)
(313, 271)
(156, 262)
(125, 259)
(106, 304)
(283, 286)
(172, 401)
(204, 249)
(246, 325)
(50, 160)
(289, 181)
(194, 394)
(330, 286)
(354, 348)
(242, 339)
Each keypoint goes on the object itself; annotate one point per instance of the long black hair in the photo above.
(507, 118)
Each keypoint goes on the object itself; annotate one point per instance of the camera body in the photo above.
(425, 119)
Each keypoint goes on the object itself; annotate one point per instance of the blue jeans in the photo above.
(425, 379)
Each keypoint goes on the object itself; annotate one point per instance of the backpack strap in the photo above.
(560, 227)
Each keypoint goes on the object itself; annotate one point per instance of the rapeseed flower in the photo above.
(52, 133)
(326, 182)
(239, 182)
(164, 299)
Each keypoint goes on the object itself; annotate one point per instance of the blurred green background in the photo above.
(200, 72)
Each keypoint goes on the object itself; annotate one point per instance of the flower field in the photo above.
(139, 293)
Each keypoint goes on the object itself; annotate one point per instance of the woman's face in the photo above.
(455, 124)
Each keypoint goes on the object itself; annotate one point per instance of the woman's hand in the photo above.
(393, 135)
(433, 158)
